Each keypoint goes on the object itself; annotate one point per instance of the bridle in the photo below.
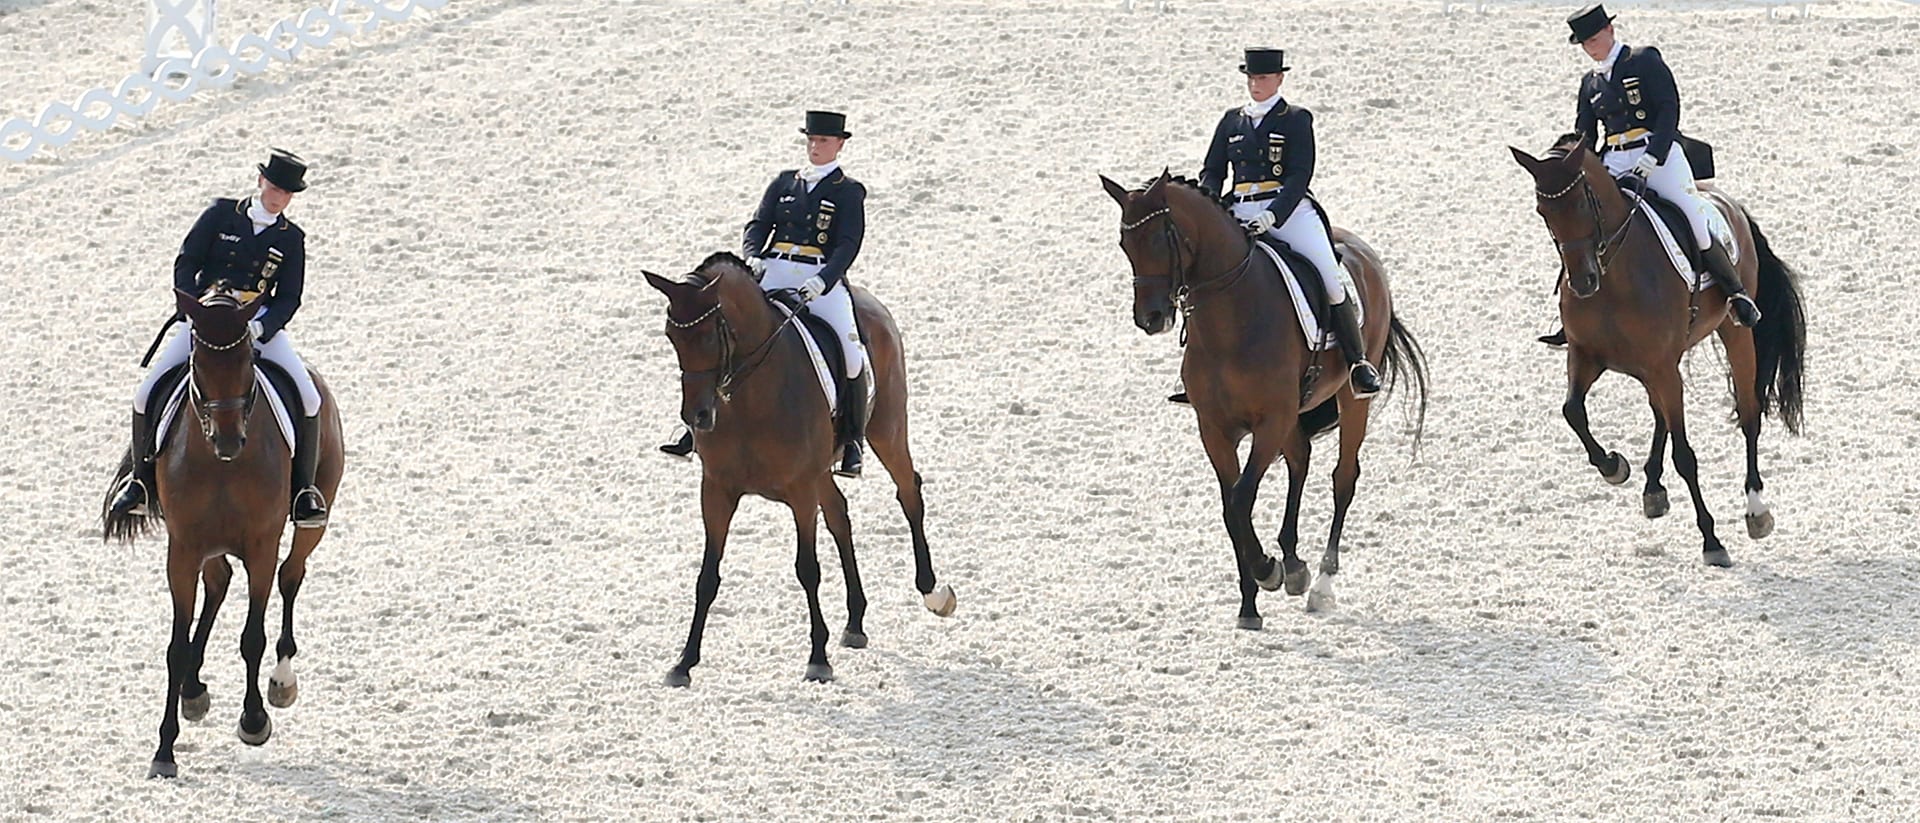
(203, 408)
(729, 371)
(1603, 244)
(1181, 288)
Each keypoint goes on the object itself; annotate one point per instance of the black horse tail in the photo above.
(1780, 339)
(1405, 359)
(125, 527)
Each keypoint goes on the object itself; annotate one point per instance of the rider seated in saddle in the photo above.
(1631, 94)
(250, 247)
(800, 243)
(1268, 146)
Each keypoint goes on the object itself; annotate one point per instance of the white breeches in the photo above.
(835, 307)
(1672, 180)
(278, 351)
(1307, 236)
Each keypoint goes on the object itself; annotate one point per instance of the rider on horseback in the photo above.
(1632, 95)
(800, 242)
(251, 247)
(1269, 146)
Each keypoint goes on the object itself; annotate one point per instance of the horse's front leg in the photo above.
(717, 506)
(183, 574)
(833, 508)
(255, 726)
(216, 574)
(1669, 396)
(1251, 560)
(806, 567)
(1653, 501)
(1582, 370)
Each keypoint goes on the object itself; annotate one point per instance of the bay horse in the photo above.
(741, 356)
(220, 499)
(1248, 370)
(1645, 318)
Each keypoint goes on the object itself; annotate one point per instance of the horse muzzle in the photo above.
(1154, 321)
(700, 419)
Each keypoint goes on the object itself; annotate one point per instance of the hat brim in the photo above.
(297, 187)
(1577, 38)
(842, 135)
(1283, 69)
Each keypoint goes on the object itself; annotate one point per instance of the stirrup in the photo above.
(1180, 398)
(314, 514)
(1354, 371)
(850, 462)
(1733, 306)
(1557, 340)
(681, 447)
(126, 503)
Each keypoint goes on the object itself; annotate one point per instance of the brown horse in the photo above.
(219, 498)
(1647, 319)
(1248, 370)
(740, 355)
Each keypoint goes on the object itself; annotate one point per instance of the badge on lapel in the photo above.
(272, 267)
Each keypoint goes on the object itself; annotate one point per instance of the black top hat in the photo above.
(1588, 22)
(1263, 60)
(826, 124)
(286, 170)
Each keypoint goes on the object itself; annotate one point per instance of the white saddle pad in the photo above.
(178, 401)
(820, 368)
(1318, 339)
(1676, 254)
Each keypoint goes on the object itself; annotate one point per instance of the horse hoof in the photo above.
(679, 679)
(1759, 526)
(819, 673)
(1251, 624)
(1273, 579)
(853, 640)
(941, 600)
(1297, 580)
(167, 771)
(282, 695)
(260, 737)
(1717, 558)
(1621, 471)
(1654, 504)
(1321, 598)
(194, 709)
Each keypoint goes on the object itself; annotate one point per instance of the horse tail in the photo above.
(1780, 339)
(1404, 359)
(126, 527)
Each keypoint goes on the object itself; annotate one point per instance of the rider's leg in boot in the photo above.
(137, 489)
(1720, 265)
(854, 419)
(681, 445)
(1346, 327)
(1558, 339)
(309, 505)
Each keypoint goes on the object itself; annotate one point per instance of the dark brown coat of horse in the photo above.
(1645, 319)
(1245, 364)
(221, 499)
(762, 426)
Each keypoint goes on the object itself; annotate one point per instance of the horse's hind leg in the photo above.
(1581, 372)
(887, 436)
(1743, 362)
(717, 506)
(283, 688)
(806, 567)
(1669, 396)
(183, 572)
(1653, 501)
(255, 726)
(833, 506)
(1298, 575)
(215, 574)
(1346, 477)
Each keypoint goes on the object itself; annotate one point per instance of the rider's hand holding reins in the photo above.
(1260, 223)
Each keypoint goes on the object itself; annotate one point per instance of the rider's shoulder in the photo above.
(293, 229)
(1643, 53)
(223, 204)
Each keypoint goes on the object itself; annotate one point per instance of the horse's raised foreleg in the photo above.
(215, 574)
(1742, 361)
(1669, 396)
(1653, 501)
(1582, 370)
(806, 568)
(183, 573)
(887, 436)
(282, 686)
(717, 506)
(255, 726)
(1346, 477)
(833, 507)
(1251, 560)
(1299, 456)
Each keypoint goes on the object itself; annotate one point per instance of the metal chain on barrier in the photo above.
(215, 67)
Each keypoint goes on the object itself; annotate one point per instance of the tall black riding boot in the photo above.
(681, 445)
(309, 505)
(1721, 267)
(136, 489)
(1558, 339)
(853, 421)
(1346, 328)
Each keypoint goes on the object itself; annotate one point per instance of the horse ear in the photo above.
(186, 303)
(253, 306)
(710, 285)
(1156, 192)
(1114, 190)
(660, 284)
(1526, 161)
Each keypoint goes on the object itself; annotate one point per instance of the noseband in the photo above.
(729, 371)
(1604, 244)
(1180, 290)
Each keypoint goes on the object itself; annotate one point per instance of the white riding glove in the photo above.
(1645, 166)
(812, 288)
(757, 266)
(1260, 223)
(254, 328)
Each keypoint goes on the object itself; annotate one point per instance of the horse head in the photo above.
(220, 373)
(704, 312)
(1155, 247)
(1568, 198)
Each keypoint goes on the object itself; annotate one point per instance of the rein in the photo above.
(729, 372)
(1183, 287)
(1604, 244)
(203, 408)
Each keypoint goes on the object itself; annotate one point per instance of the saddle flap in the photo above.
(169, 400)
(1308, 293)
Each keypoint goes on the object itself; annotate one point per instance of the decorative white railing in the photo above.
(215, 67)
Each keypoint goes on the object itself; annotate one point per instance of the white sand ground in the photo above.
(484, 630)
